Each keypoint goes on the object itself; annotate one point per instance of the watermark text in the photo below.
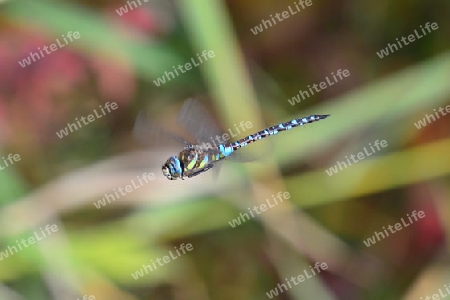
(11, 158)
(161, 262)
(391, 48)
(318, 267)
(49, 49)
(319, 87)
(124, 9)
(123, 191)
(281, 16)
(398, 226)
(439, 296)
(22, 244)
(430, 118)
(259, 209)
(169, 75)
(340, 165)
(222, 139)
(86, 297)
(90, 118)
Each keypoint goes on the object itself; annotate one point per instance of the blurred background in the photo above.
(100, 249)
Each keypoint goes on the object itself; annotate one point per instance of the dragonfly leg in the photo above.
(201, 171)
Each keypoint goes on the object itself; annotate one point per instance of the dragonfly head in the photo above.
(172, 169)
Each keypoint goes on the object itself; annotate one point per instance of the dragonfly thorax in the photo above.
(173, 168)
(192, 160)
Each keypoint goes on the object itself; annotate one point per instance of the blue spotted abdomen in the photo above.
(272, 131)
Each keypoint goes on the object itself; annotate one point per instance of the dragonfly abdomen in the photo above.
(274, 130)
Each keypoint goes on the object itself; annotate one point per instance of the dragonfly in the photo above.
(197, 158)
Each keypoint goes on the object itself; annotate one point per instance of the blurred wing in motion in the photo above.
(196, 119)
(149, 132)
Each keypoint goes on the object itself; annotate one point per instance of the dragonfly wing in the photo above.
(242, 157)
(149, 132)
(216, 170)
(196, 119)
(250, 153)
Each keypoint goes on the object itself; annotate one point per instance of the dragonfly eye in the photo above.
(172, 168)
